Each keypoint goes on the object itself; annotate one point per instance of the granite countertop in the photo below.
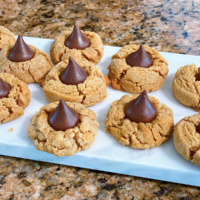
(166, 25)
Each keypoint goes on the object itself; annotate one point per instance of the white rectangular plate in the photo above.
(106, 153)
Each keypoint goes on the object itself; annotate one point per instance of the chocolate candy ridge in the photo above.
(63, 117)
(73, 74)
(140, 109)
(77, 40)
(139, 58)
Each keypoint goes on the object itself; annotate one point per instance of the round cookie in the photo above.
(6, 37)
(185, 88)
(93, 53)
(63, 143)
(136, 79)
(187, 139)
(30, 71)
(13, 106)
(139, 135)
(90, 92)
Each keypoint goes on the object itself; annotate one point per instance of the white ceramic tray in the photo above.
(106, 153)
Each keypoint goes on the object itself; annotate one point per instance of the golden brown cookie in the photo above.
(139, 135)
(6, 37)
(90, 92)
(93, 53)
(136, 79)
(18, 98)
(63, 143)
(185, 88)
(30, 71)
(187, 139)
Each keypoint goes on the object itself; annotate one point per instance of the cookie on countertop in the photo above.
(26, 62)
(6, 37)
(186, 138)
(88, 89)
(84, 45)
(186, 86)
(14, 97)
(136, 68)
(139, 121)
(63, 128)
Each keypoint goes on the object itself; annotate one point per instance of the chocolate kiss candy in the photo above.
(139, 58)
(140, 109)
(77, 40)
(4, 89)
(73, 74)
(197, 76)
(198, 129)
(63, 117)
(21, 51)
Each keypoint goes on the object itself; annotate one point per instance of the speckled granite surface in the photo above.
(167, 25)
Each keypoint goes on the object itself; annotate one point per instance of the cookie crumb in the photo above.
(11, 129)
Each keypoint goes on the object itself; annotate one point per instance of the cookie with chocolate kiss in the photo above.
(74, 135)
(63, 117)
(77, 40)
(14, 97)
(4, 89)
(26, 62)
(21, 51)
(140, 109)
(73, 74)
(80, 45)
(139, 58)
(186, 138)
(135, 68)
(139, 121)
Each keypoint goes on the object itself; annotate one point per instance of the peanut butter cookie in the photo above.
(6, 37)
(137, 134)
(63, 143)
(12, 105)
(90, 92)
(186, 138)
(136, 79)
(186, 86)
(33, 70)
(93, 53)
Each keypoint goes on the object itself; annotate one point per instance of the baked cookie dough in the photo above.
(187, 139)
(6, 37)
(30, 71)
(90, 92)
(63, 143)
(185, 87)
(139, 135)
(13, 106)
(136, 79)
(93, 53)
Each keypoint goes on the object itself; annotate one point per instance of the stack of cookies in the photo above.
(65, 125)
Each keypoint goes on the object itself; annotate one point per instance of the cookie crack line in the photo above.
(61, 54)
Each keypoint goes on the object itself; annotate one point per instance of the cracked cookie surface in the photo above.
(63, 143)
(30, 71)
(187, 139)
(6, 37)
(90, 92)
(18, 98)
(139, 135)
(93, 53)
(185, 88)
(136, 79)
